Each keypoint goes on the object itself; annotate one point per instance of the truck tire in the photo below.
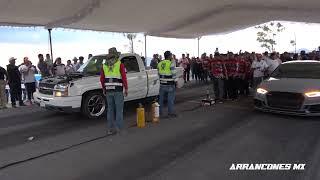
(94, 105)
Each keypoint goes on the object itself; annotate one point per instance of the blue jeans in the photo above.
(115, 108)
(171, 90)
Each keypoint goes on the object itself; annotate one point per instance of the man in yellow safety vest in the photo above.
(114, 85)
(167, 74)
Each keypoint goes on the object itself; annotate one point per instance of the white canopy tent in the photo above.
(165, 18)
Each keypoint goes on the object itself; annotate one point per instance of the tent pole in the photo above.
(199, 47)
(295, 43)
(145, 46)
(50, 41)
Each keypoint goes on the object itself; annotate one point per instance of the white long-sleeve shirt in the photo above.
(69, 69)
(259, 68)
(60, 70)
(272, 65)
(28, 73)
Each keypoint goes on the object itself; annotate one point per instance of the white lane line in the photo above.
(194, 101)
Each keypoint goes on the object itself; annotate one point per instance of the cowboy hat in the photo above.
(112, 56)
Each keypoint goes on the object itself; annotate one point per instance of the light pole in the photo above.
(50, 42)
(145, 46)
(199, 46)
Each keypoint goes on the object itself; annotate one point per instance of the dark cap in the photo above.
(167, 53)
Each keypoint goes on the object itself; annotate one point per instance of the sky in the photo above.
(21, 42)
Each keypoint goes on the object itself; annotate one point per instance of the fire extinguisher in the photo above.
(141, 122)
(155, 112)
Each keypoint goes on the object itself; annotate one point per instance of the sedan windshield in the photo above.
(298, 70)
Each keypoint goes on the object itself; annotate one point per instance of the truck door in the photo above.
(137, 78)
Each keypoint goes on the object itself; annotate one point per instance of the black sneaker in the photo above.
(14, 106)
(22, 104)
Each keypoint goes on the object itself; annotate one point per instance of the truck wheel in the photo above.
(94, 105)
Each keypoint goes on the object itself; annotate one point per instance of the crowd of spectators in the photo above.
(48, 68)
(20, 80)
(233, 74)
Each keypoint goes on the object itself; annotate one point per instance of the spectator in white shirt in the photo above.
(184, 62)
(90, 56)
(265, 56)
(216, 51)
(81, 58)
(75, 64)
(59, 69)
(69, 67)
(28, 71)
(259, 67)
(79, 64)
(49, 62)
(174, 60)
(273, 63)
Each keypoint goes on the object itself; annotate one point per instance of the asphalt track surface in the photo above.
(202, 143)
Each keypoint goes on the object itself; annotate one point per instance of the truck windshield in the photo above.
(92, 66)
(300, 70)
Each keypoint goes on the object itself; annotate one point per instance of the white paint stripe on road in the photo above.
(194, 101)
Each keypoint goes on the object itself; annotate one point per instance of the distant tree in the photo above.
(130, 37)
(267, 34)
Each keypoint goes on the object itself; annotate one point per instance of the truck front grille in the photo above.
(45, 88)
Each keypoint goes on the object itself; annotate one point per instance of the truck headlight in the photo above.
(313, 94)
(61, 90)
(261, 91)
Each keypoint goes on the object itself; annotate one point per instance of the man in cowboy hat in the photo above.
(114, 85)
(14, 81)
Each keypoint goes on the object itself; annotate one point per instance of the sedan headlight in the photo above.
(61, 90)
(261, 91)
(313, 94)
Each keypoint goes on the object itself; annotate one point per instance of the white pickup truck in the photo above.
(81, 91)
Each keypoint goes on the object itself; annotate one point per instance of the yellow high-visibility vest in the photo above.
(112, 75)
(166, 76)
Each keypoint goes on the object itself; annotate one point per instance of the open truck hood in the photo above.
(61, 79)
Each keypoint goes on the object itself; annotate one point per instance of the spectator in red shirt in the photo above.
(241, 73)
(218, 72)
(231, 66)
(211, 58)
(205, 65)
